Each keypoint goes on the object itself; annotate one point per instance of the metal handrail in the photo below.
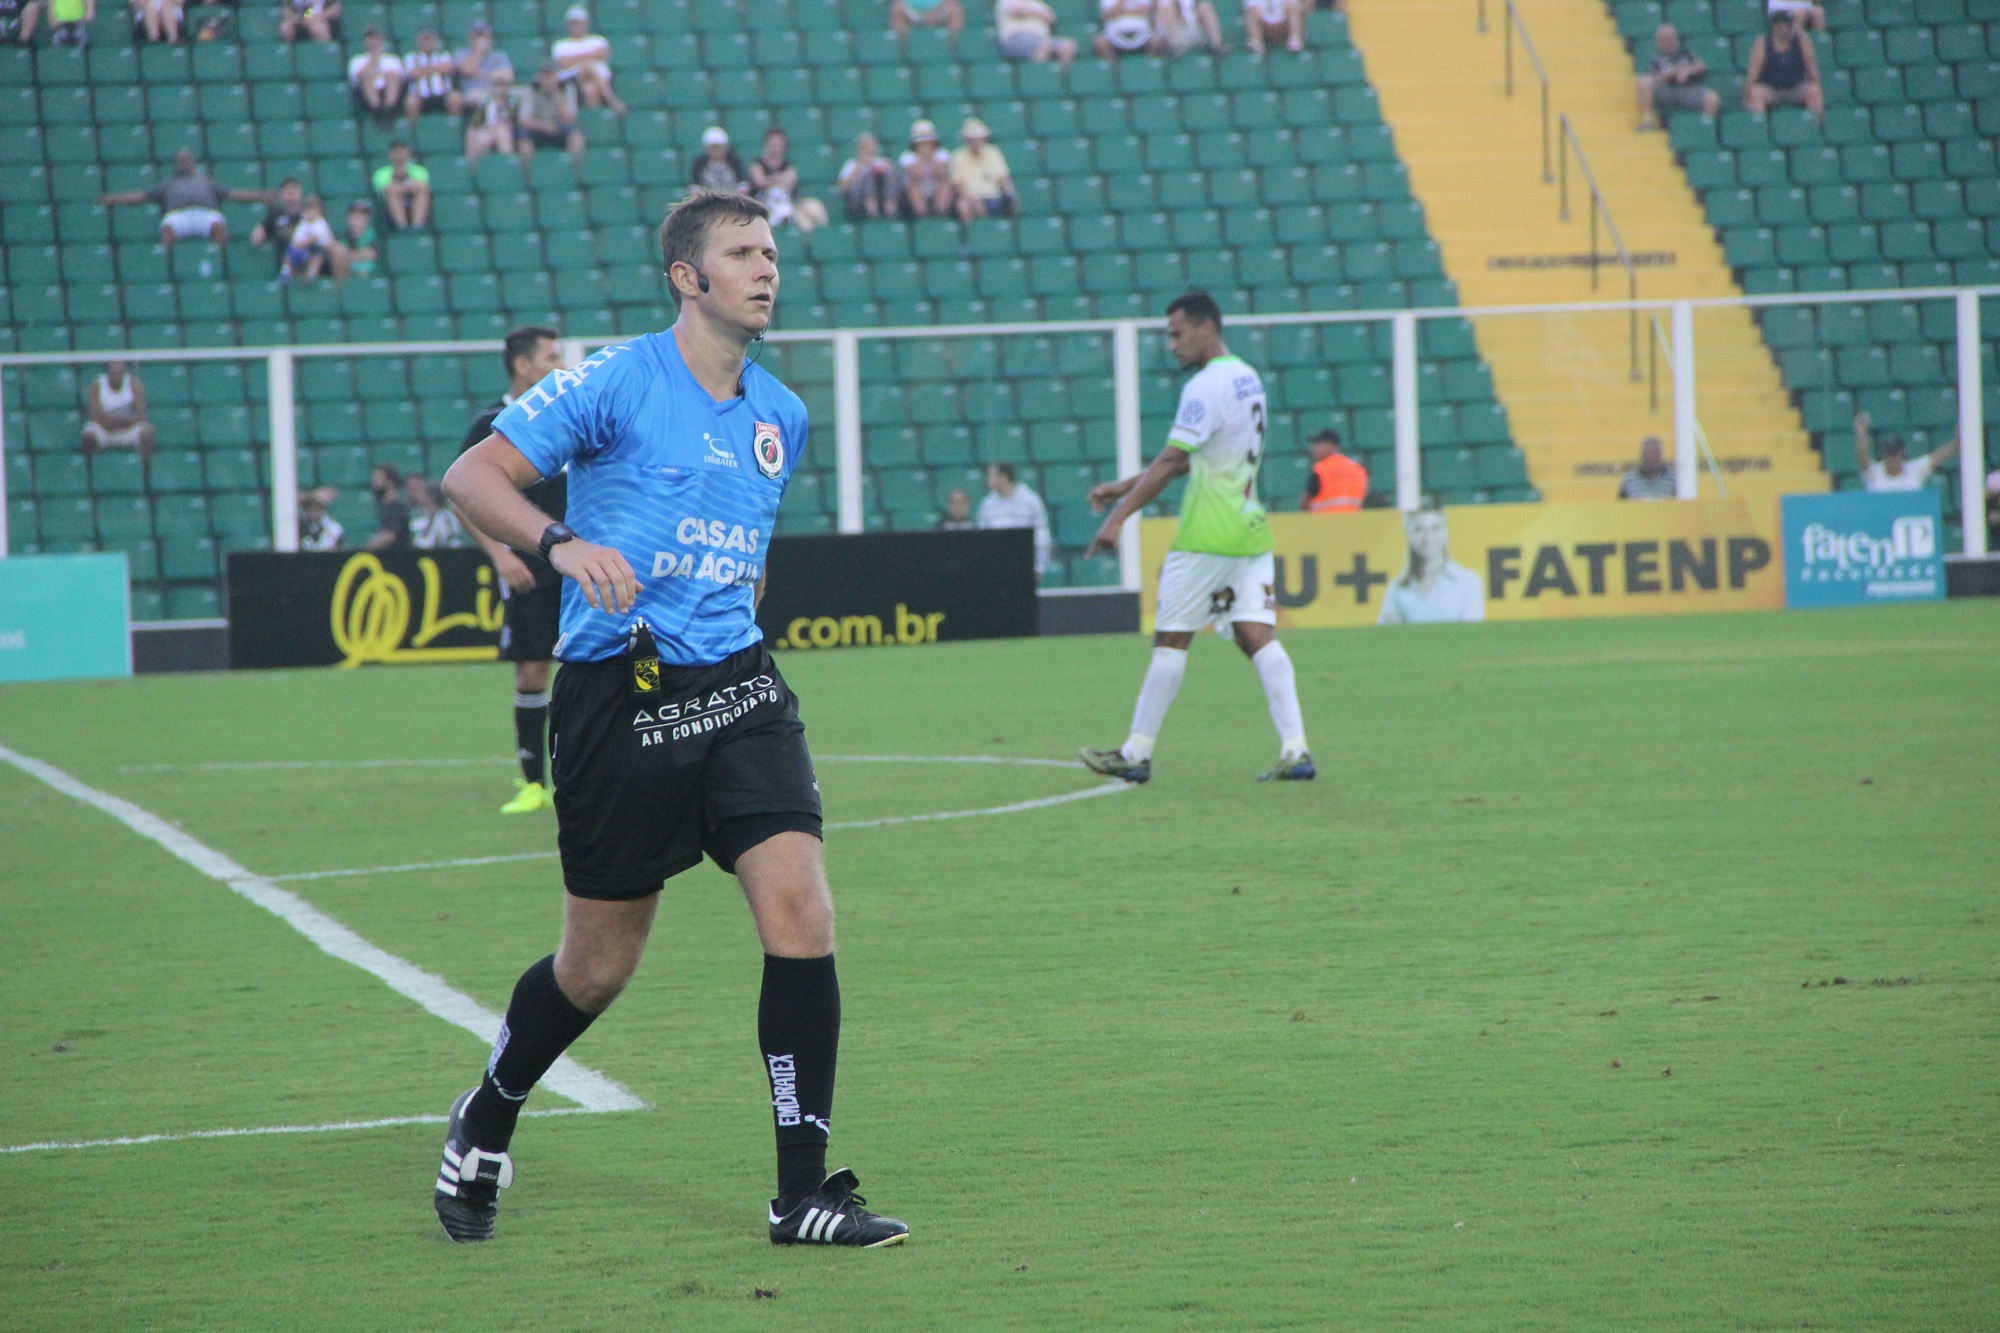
(1600, 207)
(1514, 21)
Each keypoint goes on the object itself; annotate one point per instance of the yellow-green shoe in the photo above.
(531, 797)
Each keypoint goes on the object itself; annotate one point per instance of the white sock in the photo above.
(1156, 696)
(1281, 688)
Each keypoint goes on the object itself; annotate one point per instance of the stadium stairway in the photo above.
(1474, 158)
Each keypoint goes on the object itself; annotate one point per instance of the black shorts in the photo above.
(644, 789)
(545, 138)
(435, 102)
(533, 624)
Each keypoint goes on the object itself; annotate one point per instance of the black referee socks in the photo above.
(531, 729)
(798, 1025)
(541, 1023)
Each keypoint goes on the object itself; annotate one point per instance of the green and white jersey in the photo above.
(1221, 425)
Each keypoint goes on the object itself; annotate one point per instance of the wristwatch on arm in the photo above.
(555, 534)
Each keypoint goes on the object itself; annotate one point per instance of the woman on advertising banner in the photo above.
(1432, 589)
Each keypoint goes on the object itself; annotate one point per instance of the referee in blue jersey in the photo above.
(672, 732)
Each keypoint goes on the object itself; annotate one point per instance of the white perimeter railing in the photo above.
(848, 459)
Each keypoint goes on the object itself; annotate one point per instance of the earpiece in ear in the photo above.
(701, 280)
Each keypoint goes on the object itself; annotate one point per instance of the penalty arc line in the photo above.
(334, 1128)
(1040, 803)
(586, 1087)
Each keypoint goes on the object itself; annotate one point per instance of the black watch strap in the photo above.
(555, 534)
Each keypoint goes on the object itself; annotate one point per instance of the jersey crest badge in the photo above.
(768, 448)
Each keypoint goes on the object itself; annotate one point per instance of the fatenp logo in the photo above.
(1858, 554)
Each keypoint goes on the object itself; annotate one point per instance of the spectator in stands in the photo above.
(1268, 22)
(1337, 484)
(405, 189)
(319, 530)
(1127, 29)
(1651, 480)
(1675, 81)
(1895, 470)
(70, 20)
(156, 20)
(1993, 510)
(775, 183)
(979, 175)
(17, 20)
(1011, 504)
(926, 172)
(906, 14)
(376, 78)
(431, 74)
(479, 62)
(957, 512)
(115, 414)
(718, 167)
(1027, 32)
(1433, 588)
(312, 246)
(1190, 25)
(1804, 13)
(546, 117)
(493, 118)
(392, 515)
(358, 253)
(280, 216)
(1784, 71)
(190, 201)
(432, 524)
(316, 18)
(868, 182)
(584, 59)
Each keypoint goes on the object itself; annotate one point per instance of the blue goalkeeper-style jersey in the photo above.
(686, 487)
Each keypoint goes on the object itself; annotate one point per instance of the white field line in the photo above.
(414, 865)
(1103, 789)
(1040, 803)
(333, 1128)
(586, 1087)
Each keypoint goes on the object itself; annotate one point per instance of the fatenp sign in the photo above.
(1856, 548)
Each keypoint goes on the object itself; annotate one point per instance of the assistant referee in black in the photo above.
(673, 733)
(530, 588)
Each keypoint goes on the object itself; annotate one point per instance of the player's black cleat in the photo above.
(469, 1182)
(1112, 763)
(1299, 768)
(833, 1215)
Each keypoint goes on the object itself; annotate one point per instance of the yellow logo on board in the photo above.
(371, 615)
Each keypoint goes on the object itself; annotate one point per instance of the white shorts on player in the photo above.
(1198, 590)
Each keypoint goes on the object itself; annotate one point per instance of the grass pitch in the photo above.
(1614, 975)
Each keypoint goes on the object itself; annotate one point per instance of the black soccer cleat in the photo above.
(1299, 768)
(833, 1215)
(469, 1182)
(1112, 763)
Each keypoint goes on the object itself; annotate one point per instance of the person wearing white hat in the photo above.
(583, 61)
(718, 167)
(979, 175)
(927, 188)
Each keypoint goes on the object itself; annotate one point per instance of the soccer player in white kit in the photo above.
(1220, 566)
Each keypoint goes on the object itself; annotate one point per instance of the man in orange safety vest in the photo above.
(1336, 483)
